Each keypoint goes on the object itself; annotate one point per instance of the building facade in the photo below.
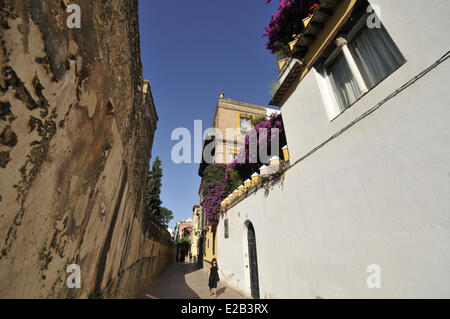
(195, 235)
(182, 229)
(232, 119)
(366, 116)
(181, 237)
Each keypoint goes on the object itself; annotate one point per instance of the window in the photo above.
(344, 85)
(365, 58)
(376, 55)
(226, 228)
(245, 124)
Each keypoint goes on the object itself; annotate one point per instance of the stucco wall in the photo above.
(417, 33)
(227, 117)
(375, 194)
(209, 241)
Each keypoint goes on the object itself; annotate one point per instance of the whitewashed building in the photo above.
(364, 209)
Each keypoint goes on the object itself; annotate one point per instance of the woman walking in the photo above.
(213, 277)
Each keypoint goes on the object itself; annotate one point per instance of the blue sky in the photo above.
(190, 51)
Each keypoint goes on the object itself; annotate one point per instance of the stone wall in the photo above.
(75, 146)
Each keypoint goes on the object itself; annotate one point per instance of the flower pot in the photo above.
(286, 153)
(247, 184)
(275, 161)
(263, 170)
(255, 178)
(281, 63)
(293, 43)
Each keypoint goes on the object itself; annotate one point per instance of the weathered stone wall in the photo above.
(75, 144)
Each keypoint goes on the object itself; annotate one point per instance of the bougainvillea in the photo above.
(287, 22)
(212, 202)
(219, 180)
(213, 191)
(247, 160)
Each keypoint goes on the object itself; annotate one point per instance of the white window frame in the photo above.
(332, 107)
(249, 119)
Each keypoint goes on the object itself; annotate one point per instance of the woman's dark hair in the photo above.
(214, 260)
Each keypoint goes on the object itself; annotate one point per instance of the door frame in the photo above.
(253, 261)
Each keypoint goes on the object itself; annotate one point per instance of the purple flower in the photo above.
(286, 22)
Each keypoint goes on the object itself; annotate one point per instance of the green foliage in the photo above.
(212, 174)
(185, 241)
(152, 195)
(153, 189)
(166, 216)
(258, 120)
(283, 52)
(274, 87)
(234, 180)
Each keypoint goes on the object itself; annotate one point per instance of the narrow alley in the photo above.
(187, 281)
(297, 149)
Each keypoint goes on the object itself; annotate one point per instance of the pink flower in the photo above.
(286, 22)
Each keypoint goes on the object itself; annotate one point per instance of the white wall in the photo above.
(418, 29)
(376, 194)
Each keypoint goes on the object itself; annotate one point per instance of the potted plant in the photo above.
(286, 22)
(294, 42)
(282, 62)
(312, 9)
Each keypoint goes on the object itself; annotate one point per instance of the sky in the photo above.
(191, 51)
